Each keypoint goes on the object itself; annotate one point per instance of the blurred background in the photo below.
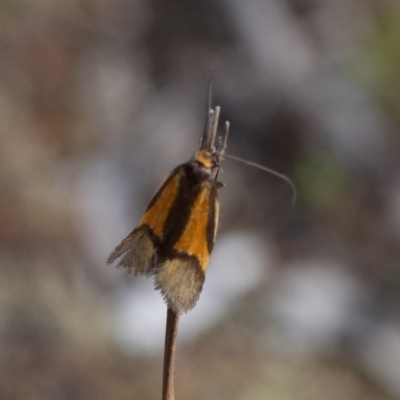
(99, 100)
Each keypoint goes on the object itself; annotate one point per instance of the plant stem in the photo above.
(171, 333)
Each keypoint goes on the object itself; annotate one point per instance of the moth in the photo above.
(175, 236)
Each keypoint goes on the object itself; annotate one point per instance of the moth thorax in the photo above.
(205, 158)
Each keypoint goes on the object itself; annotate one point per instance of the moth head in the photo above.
(205, 158)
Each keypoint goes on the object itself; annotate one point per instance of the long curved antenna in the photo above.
(269, 170)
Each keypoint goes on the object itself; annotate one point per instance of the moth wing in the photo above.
(198, 236)
(138, 251)
(180, 281)
(181, 276)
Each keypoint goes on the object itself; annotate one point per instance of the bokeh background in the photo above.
(100, 99)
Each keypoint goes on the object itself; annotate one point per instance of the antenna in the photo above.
(270, 171)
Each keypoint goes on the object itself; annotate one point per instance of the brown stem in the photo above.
(171, 334)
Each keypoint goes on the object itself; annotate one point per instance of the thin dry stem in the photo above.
(171, 333)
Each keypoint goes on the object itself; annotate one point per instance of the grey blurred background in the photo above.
(99, 100)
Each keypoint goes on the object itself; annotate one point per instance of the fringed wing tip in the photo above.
(111, 258)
